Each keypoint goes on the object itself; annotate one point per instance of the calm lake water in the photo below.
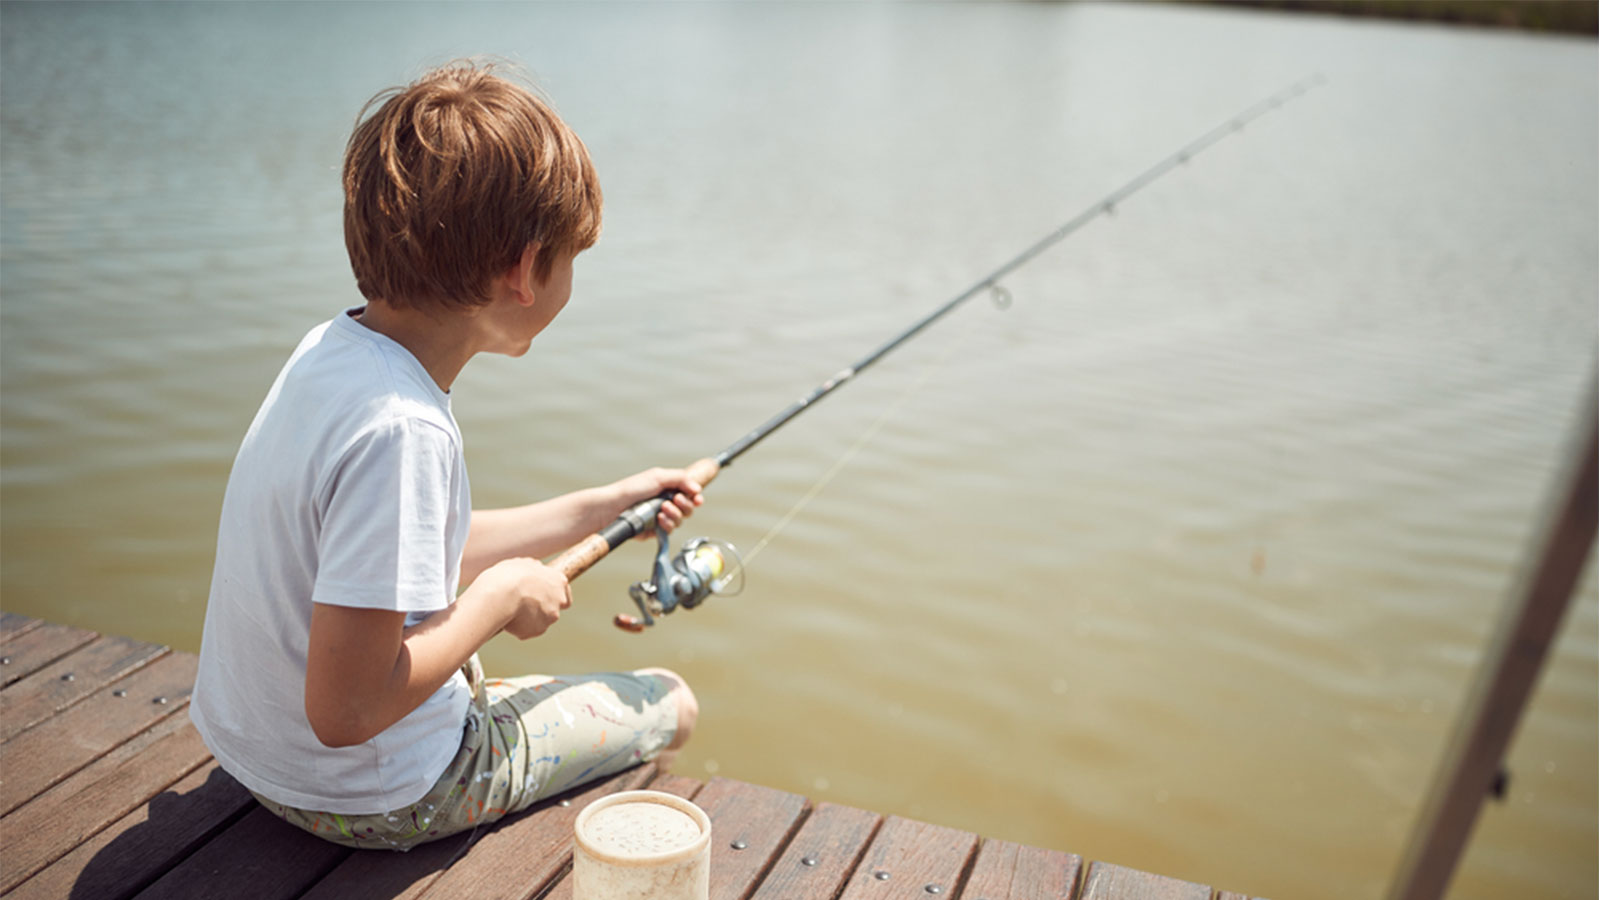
(1183, 562)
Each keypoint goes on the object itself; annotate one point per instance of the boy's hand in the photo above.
(652, 483)
(535, 593)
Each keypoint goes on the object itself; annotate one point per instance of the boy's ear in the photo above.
(523, 284)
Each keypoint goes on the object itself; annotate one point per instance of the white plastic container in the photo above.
(642, 845)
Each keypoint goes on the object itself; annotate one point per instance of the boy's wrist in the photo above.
(609, 501)
(497, 598)
(611, 497)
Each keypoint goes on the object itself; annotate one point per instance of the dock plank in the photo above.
(50, 752)
(1108, 882)
(822, 855)
(47, 827)
(108, 794)
(521, 855)
(1007, 871)
(912, 860)
(386, 875)
(750, 826)
(69, 679)
(120, 860)
(37, 647)
(53, 750)
(260, 857)
(668, 783)
(12, 624)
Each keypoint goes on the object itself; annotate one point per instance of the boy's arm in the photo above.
(542, 529)
(365, 670)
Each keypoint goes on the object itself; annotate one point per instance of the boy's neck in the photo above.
(442, 343)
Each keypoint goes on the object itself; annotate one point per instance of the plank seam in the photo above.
(421, 886)
(60, 777)
(1079, 881)
(860, 855)
(224, 827)
(93, 636)
(967, 865)
(112, 820)
(132, 888)
(550, 887)
(777, 853)
(194, 847)
(1082, 881)
(23, 629)
(332, 863)
(165, 652)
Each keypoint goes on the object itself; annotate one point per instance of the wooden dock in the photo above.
(107, 792)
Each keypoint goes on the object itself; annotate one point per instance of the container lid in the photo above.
(642, 828)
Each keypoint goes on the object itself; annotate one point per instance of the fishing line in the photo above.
(704, 567)
(1002, 300)
(1105, 206)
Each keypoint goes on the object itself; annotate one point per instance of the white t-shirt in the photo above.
(350, 489)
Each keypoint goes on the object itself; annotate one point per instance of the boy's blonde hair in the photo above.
(450, 179)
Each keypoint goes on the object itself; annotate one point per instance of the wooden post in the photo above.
(1511, 667)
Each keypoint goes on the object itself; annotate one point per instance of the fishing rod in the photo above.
(705, 567)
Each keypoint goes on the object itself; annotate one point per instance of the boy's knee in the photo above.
(688, 706)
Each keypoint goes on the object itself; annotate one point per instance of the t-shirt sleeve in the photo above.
(384, 520)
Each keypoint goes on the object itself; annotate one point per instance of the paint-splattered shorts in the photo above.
(525, 739)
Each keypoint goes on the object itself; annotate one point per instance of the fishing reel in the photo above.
(702, 567)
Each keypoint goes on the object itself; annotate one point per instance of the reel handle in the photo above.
(628, 623)
(636, 520)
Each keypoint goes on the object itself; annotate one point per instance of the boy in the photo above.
(338, 672)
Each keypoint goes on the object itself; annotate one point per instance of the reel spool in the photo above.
(702, 567)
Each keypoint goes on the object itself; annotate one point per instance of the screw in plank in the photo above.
(881, 875)
(5, 660)
(160, 701)
(933, 888)
(119, 692)
(808, 861)
(68, 677)
(739, 845)
(565, 803)
(1501, 784)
